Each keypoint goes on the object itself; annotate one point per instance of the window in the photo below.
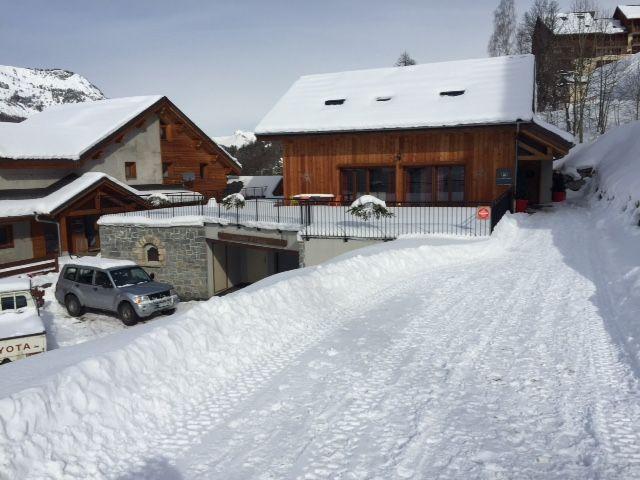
(85, 275)
(165, 169)
(70, 273)
(129, 276)
(6, 236)
(450, 183)
(8, 303)
(203, 170)
(335, 101)
(380, 182)
(152, 253)
(21, 301)
(130, 170)
(452, 93)
(419, 184)
(102, 279)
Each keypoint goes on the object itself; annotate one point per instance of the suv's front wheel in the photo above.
(127, 314)
(74, 307)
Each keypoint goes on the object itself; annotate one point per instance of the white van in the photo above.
(22, 332)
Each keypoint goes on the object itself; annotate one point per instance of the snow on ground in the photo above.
(500, 358)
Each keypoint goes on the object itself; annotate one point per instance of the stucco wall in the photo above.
(141, 146)
(317, 250)
(22, 245)
(183, 251)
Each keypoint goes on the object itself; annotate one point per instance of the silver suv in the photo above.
(127, 290)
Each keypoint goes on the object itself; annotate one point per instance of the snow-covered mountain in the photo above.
(25, 91)
(239, 139)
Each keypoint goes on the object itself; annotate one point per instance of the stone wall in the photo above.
(181, 254)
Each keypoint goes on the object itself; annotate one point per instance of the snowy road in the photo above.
(483, 369)
(489, 359)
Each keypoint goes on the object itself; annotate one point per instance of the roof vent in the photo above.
(452, 93)
(335, 101)
(383, 99)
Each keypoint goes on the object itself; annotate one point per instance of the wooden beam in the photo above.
(535, 152)
(97, 155)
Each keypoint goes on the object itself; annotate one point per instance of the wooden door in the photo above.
(529, 180)
(78, 236)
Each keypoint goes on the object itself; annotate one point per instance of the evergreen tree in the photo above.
(404, 60)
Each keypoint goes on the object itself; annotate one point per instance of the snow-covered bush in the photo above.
(234, 200)
(368, 206)
(212, 202)
(158, 200)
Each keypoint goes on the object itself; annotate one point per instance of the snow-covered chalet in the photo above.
(440, 133)
(62, 168)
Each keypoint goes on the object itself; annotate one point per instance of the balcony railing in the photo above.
(333, 220)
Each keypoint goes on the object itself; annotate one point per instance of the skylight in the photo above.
(384, 98)
(452, 93)
(335, 101)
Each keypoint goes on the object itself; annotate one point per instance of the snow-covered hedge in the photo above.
(235, 200)
(368, 206)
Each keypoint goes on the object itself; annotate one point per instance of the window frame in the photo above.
(130, 171)
(10, 240)
(434, 182)
(352, 171)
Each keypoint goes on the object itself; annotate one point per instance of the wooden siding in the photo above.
(312, 163)
(185, 155)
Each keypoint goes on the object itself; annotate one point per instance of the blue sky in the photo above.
(226, 63)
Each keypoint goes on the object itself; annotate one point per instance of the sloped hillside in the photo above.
(25, 91)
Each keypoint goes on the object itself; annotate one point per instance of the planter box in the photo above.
(559, 196)
(521, 206)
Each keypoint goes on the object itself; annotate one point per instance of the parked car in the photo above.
(22, 332)
(126, 290)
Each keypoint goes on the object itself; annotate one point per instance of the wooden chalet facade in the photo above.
(474, 162)
(92, 159)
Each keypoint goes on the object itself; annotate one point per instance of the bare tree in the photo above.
(587, 25)
(604, 85)
(502, 41)
(405, 60)
(545, 11)
(630, 87)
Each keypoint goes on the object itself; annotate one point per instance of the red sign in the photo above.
(483, 213)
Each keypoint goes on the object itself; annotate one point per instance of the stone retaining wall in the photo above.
(181, 254)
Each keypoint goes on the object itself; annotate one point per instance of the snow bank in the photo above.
(614, 156)
(95, 410)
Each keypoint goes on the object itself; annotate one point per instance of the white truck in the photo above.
(22, 332)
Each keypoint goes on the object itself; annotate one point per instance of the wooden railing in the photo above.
(32, 265)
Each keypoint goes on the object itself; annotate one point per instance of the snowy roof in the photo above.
(586, 22)
(67, 131)
(632, 12)
(14, 284)
(463, 92)
(49, 203)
